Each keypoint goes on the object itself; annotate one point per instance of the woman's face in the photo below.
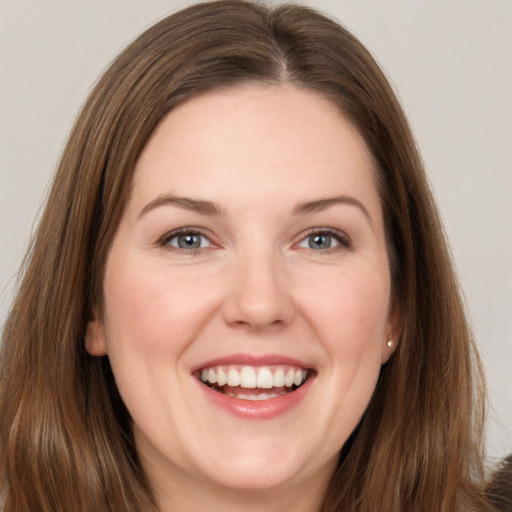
(247, 291)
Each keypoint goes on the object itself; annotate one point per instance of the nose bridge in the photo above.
(260, 292)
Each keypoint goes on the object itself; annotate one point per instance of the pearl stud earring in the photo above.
(390, 343)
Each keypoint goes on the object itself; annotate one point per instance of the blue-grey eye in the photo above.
(320, 241)
(324, 240)
(188, 241)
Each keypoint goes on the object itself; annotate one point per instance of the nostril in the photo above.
(258, 314)
(258, 325)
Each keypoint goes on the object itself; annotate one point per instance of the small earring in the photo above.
(390, 343)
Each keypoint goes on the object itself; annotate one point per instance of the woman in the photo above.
(191, 331)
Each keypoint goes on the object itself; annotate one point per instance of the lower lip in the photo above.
(260, 409)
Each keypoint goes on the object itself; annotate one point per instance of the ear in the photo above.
(95, 342)
(394, 331)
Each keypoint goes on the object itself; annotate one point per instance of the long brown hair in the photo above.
(65, 435)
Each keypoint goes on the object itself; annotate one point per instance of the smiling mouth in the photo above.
(253, 382)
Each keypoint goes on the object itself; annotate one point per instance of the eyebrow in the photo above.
(209, 208)
(186, 203)
(319, 205)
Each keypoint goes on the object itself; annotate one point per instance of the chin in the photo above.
(256, 476)
(268, 465)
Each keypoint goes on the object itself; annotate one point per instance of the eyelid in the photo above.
(344, 241)
(165, 239)
(341, 237)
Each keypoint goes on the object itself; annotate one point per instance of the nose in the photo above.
(259, 295)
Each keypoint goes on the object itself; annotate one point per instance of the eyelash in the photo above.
(339, 236)
(166, 239)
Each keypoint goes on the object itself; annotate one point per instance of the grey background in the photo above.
(450, 62)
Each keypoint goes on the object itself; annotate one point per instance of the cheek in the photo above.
(350, 310)
(152, 316)
(153, 309)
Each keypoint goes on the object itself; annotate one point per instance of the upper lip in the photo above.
(253, 360)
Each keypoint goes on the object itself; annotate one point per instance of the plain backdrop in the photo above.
(450, 62)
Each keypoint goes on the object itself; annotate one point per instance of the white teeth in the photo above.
(222, 378)
(248, 377)
(251, 377)
(279, 378)
(290, 377)
(265, 379)
(233, 377)
(254, 398)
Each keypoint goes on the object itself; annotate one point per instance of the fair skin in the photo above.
(252, 245)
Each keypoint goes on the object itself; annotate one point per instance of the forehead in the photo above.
(253, 137)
